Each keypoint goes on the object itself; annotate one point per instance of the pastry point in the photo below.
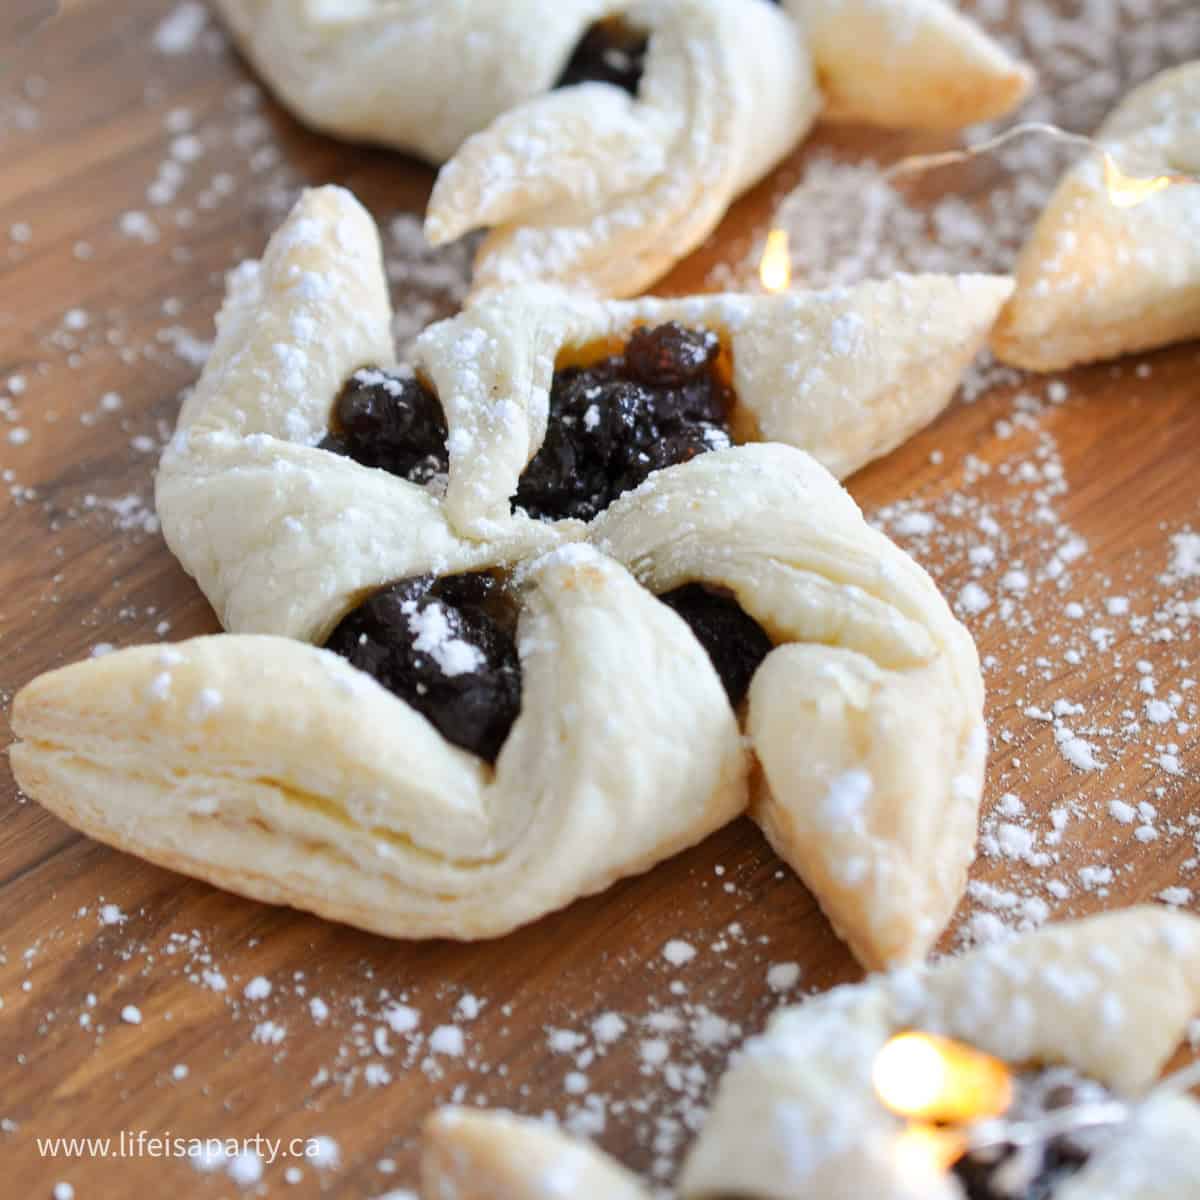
(1096, 280)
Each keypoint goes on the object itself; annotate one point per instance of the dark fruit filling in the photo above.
(736, 643)
(661, 402)
(445, 646)
(609, 52)
(391, 421)
(1035, 1172)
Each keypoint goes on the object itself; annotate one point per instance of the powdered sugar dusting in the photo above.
(1088, 784)
(179, 30)
(1185, 556)
(434, 636)
(1041, 619)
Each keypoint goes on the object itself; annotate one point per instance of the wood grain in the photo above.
(83, 115)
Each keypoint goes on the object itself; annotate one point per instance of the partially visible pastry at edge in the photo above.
(908, 64)
(282, 772)
(799, 1115)
(602, 140)
(471, 1155)
(420, 77)
(1065, 1014)
(1105, 274)
(602, 191)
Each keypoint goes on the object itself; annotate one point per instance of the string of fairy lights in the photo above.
(1125, 189)
(956, 1100)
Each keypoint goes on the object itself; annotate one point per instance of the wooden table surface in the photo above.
(1066, 504)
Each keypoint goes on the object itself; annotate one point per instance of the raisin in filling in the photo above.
(736, 643)
(661, 402)
(391, 421)
(609, 52)
(1036, 1172)
(443, 646)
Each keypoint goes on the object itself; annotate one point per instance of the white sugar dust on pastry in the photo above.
(281, 536)
(418, 77)
(846, 374)
(800, 1114)
(908, 64)
(473, 1155)
(866, 716)
(1023, 1071)
(309, 784)
(1113, 267)
(592, 187)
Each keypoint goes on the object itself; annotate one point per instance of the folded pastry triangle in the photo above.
(1098, 279)
(279, 771)
(283, 537)
(866, 718)
(420, 77)
(908, 64)
(846, 374)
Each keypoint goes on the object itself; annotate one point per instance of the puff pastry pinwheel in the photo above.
(1105, 274)
(604, 139)
(303, 491)
(800, 1114)
(908, 64)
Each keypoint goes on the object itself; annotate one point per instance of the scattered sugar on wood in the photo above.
(1042, 617)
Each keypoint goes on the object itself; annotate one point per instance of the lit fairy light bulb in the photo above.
(929, 1078)
(775, 268)
(1124, 191)
(924, 1151)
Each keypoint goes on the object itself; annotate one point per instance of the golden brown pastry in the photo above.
(1100, 276)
